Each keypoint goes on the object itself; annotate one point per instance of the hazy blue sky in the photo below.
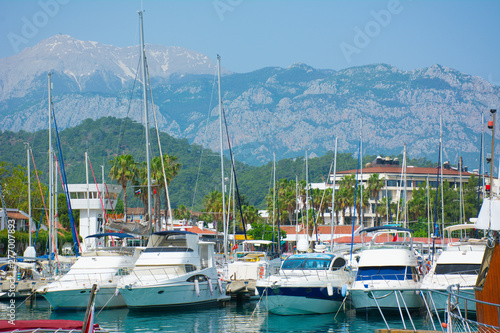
(251, 34)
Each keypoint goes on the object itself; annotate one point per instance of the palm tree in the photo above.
(172, 168)
(142, 182)
(347, 185)
(182, 213)
(213, 204)
(375, 184)
(123, 170)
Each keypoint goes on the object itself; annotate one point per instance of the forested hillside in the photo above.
(200, 172)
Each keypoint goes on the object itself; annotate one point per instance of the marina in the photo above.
(234, 317)
(172, 239)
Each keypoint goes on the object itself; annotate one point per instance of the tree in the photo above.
(375, 184)
(213, 205)
(346, 193)
(172, 168)
(181, 213)
(123, 170)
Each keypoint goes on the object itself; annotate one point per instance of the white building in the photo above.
(91, 201)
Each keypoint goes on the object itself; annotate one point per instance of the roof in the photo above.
(173, 232)
(114, 234)
(410, 170)
(16, 214)
(195, 229)
(322, 229)
(390, 228)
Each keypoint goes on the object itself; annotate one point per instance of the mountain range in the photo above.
(282, 110)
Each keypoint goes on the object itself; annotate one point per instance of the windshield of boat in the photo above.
(472, 269)
(384, 273)
(309, 264)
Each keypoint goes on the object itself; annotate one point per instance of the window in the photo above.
(384, 273)
(392, 183)
(457, 269)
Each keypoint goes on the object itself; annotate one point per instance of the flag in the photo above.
(395, 239)
(138, 191)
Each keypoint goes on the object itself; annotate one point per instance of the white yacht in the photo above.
(309, 283)
(388, 275)
(106, 259)
(458, 264)
(254, 261)
(176, 269)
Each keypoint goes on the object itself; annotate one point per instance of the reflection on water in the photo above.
(235, 317)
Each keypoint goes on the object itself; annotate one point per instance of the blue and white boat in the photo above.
(309, 283)
(388, 277)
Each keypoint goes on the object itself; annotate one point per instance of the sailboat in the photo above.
(177, 268)
(254, 261)
(105, 259)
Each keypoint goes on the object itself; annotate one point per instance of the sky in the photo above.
(252, 34)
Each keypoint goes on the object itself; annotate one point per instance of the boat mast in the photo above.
(492, 126)
(51, 167)
(222, 161)
(29, 191)
(307, 201)
(274, 194)
(88, 194)
(442, 189)
(405, 211)
(361, 165)
(146, 116)
(333, 193)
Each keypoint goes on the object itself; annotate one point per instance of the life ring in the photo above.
(261, 272)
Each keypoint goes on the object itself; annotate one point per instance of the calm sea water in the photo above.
(234, 317)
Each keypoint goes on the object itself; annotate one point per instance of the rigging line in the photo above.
(326, 181)
(202, 148)
(65, 186)
(234, 172)
(40, 187)
(161, 154)
(355, 197)
(62, 182)
(100, 197)
(122, 125)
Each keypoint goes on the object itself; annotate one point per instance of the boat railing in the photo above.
(465, 276)
(158, 274)
(458, 319)
(87, 279)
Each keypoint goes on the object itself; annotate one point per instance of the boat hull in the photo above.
(77, 299)
(372, 299)
(172, 295)
(437, 300)
(300, 300)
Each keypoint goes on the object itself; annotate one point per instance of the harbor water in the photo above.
(249, 316)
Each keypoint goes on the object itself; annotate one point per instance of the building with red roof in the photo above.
(399, 183)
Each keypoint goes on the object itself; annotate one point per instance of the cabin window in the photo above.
(199, 277)
(190, 268)
(338, 263)
(384, 273)
(457, 269)
(309, 264)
